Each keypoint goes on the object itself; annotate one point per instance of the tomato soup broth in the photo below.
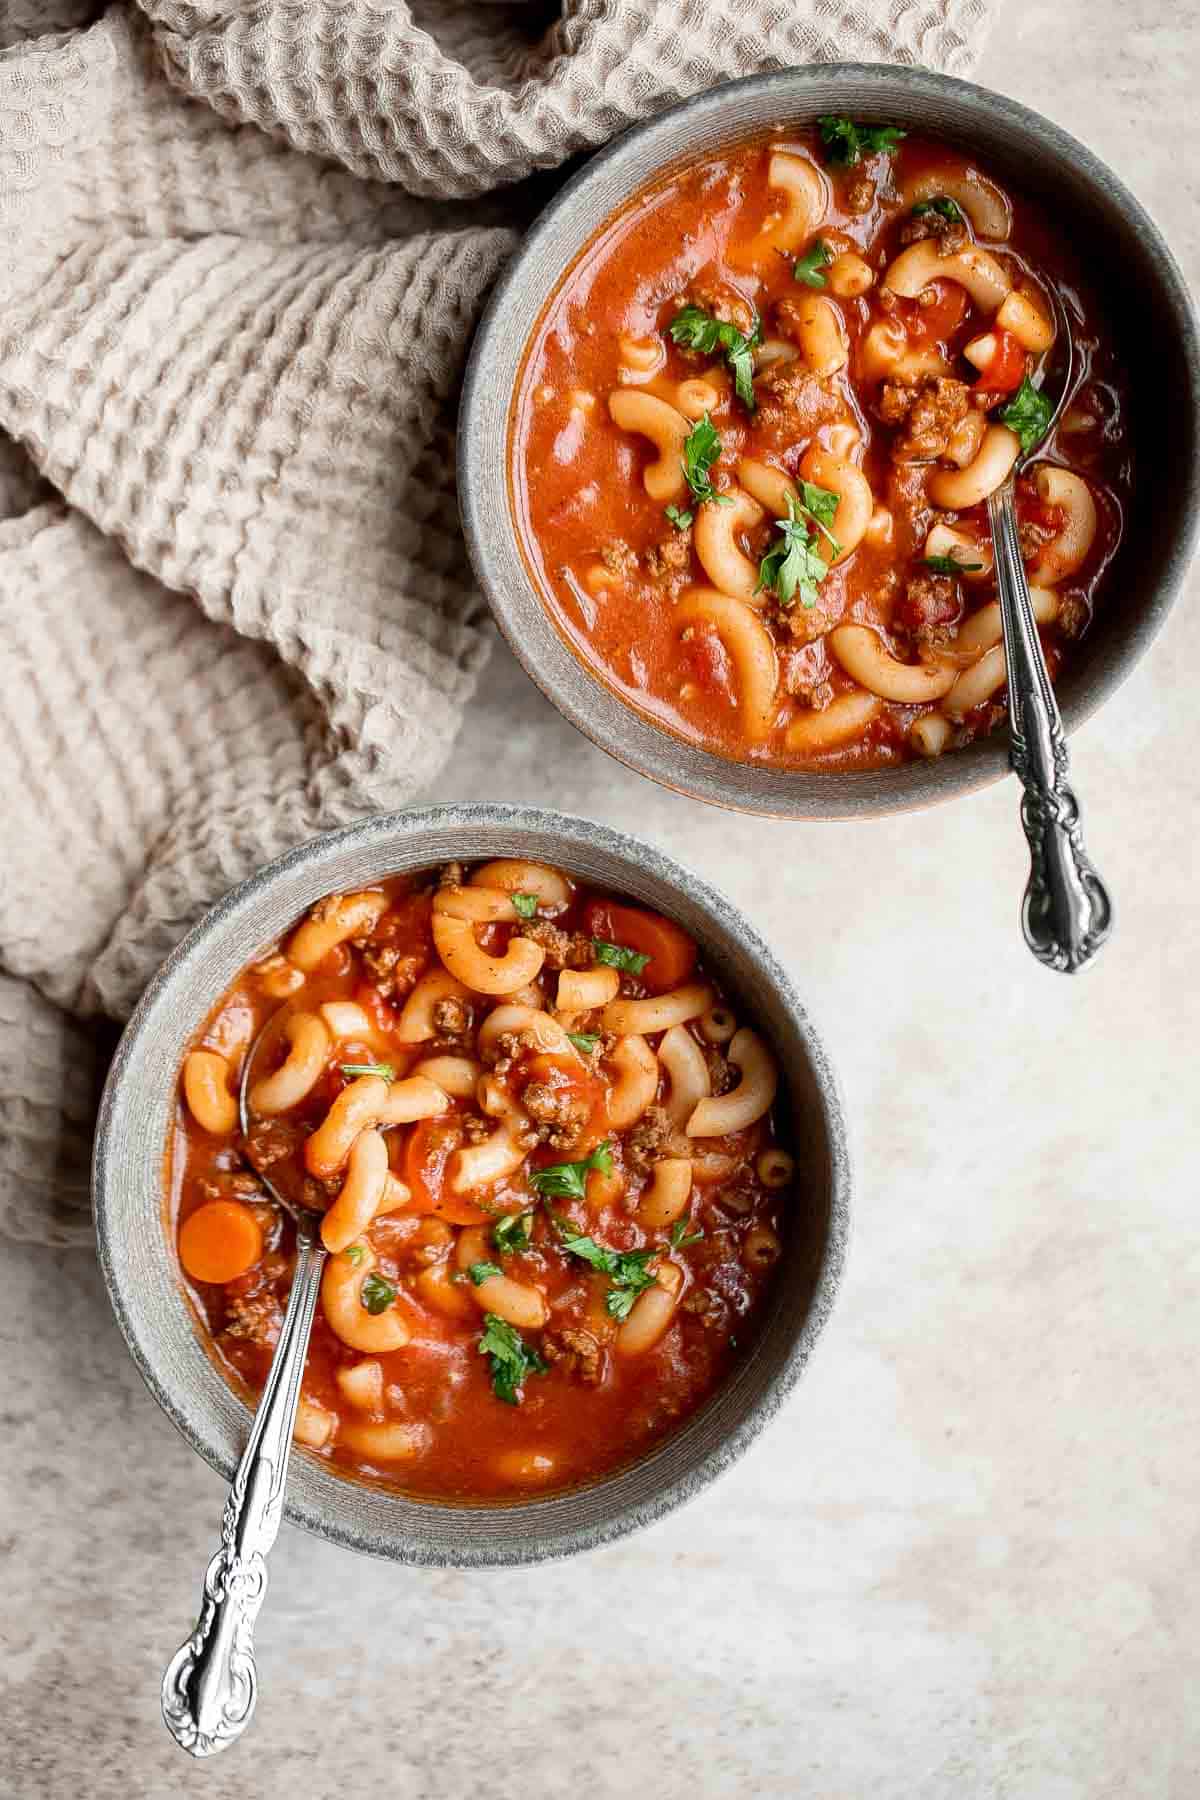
(755, 431)
(541, 1141)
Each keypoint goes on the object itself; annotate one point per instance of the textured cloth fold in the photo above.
(242, 248)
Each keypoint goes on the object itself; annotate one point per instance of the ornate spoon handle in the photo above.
(210, 1685)
(1067, 913)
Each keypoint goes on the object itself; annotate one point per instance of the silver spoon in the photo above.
(210, 1685)
(1067, 914)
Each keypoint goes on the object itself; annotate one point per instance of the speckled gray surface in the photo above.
(963, 1563)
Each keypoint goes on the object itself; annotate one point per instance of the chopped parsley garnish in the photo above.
(619, 956)
(793, 565)
(680, 520)
(943, 205)
(808, 268)
(568, 1180)
(584, 1041)
(354, 1254)
(1028, 413)
(511, 1233)
(821, 506)
(948, 565)
(701, 448)
(680, 1236)
(526, 905)
(512, 1359)
(626, 1269)
(384, 1071)
(377, 1293)
(847, 142)
(694, 329)
(480, 1271)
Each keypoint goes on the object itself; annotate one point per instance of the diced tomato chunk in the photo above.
(944, 316)
(431, 1144)
(1006, 370)
(671, 951)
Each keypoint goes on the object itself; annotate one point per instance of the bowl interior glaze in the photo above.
(138, 1257)
(1148, 309)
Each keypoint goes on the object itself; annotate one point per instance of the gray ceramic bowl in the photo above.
(139, 1263)
(1148, 308)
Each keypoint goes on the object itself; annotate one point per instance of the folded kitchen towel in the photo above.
(242, 248)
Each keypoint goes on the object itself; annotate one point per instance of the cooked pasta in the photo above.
(814, 374)
(522, 1194)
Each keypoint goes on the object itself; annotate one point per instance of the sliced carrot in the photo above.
(671, 951)
(220, 1241)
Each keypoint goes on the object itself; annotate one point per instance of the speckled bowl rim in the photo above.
(616, 171)
(142, 1278)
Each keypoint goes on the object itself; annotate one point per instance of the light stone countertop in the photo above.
(963, 1563)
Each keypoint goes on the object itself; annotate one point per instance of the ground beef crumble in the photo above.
(257, 1318)
(393, 972)
(579, 1353)
(564, 949)
(722, 302)
(859, 194)
(795, 400)
(558, 1113)
(618, 558)
(671, 557)
(950, 233)
(452, 1019)
(929, 410)
(269, 1141)
(930, 608)
(646, 1139)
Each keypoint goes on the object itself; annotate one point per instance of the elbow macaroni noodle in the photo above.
(872, 333)
(425, 1159)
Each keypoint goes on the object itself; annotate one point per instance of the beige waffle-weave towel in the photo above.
(242, 247)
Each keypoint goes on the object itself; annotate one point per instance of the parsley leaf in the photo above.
(822, 506)
(808, 269)
(846, 143)
(377, 1293)
(792, 565)
(694, 329)
(680, 520)
(526, 905)
(511, 1233)
(354, 1254)
(584, 1041)
(626, 1269)
(681, 1238)
(1028, 413)
(512, 1359)
(568, 1180)
(385, 1071)
(701, 448)
(943, 205)
(618, 956)
(480, 1271)
(948, 565)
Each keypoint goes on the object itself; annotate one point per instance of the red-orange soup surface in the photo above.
(873, 332)
(541, 1140)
